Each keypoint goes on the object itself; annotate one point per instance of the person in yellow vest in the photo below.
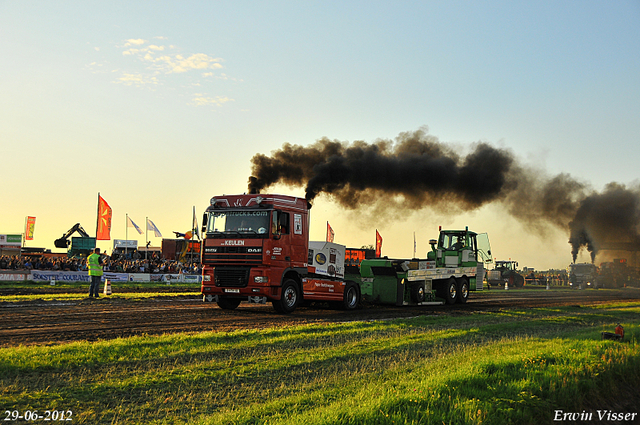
(95, 272)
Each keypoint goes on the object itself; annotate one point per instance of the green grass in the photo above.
(515, 366)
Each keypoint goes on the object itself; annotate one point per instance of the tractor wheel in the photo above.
(519, 281)
(351, 297)
(289, 299)
(451, 293)
(463, 290)
(228, 303)
(418, 294)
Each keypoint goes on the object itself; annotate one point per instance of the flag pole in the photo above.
(414, 244)
(126, 234)
(98, 215)
(193, 224)
(146, 237)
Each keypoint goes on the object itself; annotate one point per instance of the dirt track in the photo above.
(51, 322)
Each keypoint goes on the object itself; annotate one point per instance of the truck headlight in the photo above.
(261, 279)
(206, 278)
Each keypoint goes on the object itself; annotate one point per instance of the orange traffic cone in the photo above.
(107, 287)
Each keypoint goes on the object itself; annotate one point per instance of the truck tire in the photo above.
(228, 303)
(463, 290)
(351, 298)
(289, 298)
(451, 291)
(418, 294)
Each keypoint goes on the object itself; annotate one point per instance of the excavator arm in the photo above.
(64, 242)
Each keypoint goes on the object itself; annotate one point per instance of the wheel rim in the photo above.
(352, 297)
(464, 291)
(453, 291)
(290, 296)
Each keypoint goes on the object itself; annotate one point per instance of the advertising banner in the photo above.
(10, 241)
(68, 276)
(30, 227)
(48, 275)
(172, 277)
(103, 232)
(116, 277)
(188, 278)
(124, 243)
(13, 276)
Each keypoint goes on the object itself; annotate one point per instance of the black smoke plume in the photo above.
(418, 171)
(607, 220)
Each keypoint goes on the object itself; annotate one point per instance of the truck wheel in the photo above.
(351, 296)
(289, 298)
(463, 290)
(228, 303)
(418, 293)
(451, 291)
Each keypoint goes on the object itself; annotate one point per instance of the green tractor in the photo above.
(453, 268)
(505, 272)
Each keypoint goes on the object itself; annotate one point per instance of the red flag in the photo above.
(378, 244)
(330, 234)
(31, 224)
(103, 232)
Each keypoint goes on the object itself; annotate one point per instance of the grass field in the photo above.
(516, 366)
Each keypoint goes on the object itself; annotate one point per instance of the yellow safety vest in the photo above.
(93, 263)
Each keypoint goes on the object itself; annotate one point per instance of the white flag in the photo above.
(130, 223)
(152, 227)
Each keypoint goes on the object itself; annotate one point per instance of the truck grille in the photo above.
(233, 277)
(232, 255)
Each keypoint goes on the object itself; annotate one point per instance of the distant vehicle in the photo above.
(505, 272)
(80, 246)
(617, 274)
(582, 275)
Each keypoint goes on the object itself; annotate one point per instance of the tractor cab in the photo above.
(459, 248)
(506, 265)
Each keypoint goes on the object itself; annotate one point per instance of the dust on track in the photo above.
(41, 322)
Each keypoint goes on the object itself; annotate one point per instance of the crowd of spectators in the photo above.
(115, 263)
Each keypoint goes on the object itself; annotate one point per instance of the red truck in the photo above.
(256, 248)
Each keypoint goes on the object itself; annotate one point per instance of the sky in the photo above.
(158, 106)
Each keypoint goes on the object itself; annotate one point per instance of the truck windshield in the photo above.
(507, 265)
(582, 268)
(453, 240)
(239, 223)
